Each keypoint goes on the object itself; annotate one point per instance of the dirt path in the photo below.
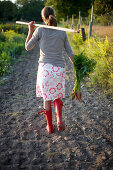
(87, 142)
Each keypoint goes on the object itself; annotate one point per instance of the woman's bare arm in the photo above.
(71, 58)
(30, 32)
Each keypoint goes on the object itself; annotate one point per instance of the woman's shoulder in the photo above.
(62, 33)
(38, 30)
(52, 30)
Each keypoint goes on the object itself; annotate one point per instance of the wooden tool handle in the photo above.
(46, 26)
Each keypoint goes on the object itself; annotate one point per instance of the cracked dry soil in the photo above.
(87, 142)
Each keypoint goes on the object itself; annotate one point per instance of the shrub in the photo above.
(101, 51)
(16, 28)
(10, 49)
(14, 37)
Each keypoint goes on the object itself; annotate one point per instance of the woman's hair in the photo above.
(47, 14)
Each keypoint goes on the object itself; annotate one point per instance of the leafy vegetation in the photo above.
(83, 66)
(11, 46)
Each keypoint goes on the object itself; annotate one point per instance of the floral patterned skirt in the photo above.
(50, 82)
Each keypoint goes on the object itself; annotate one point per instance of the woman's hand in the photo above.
(76, 31)
(30, 32)
(77, 95)
(31, 26)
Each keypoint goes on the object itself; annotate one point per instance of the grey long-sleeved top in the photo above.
(51, 43)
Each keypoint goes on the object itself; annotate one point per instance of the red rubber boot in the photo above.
(58, 109)
(48, 115)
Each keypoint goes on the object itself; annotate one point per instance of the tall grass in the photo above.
(103, 31)
(102, 51)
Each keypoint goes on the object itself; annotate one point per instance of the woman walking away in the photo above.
(51, 70)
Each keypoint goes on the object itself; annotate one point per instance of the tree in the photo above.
(8, 11)
(103, 7)
(22, 2)
(30, 9)
(64, 8)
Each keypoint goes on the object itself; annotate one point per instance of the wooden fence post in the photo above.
(67, 20)
(79, 23)
(63, 21)
(90, 29)
(83, 34)
(91, 23)
(72, 21)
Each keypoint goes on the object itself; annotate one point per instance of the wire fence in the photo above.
(103, 20)
(101, 25)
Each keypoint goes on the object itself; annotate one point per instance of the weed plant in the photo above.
(102, 52)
